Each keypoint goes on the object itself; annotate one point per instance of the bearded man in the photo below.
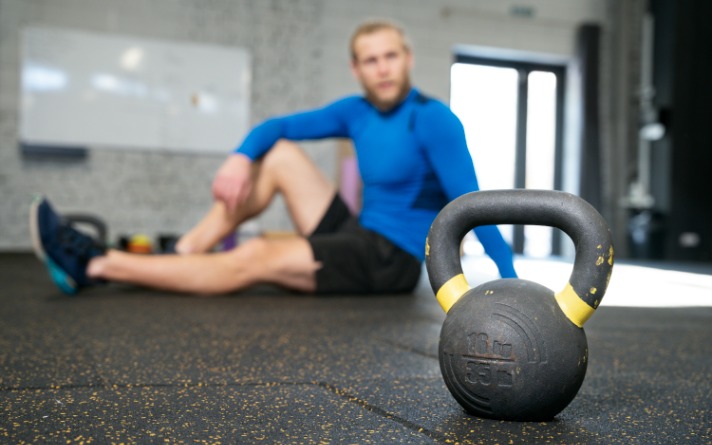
(412, 157)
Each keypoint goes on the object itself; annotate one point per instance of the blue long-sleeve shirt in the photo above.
(413, 159)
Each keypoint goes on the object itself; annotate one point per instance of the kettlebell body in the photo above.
(505, 349)
(512, 349)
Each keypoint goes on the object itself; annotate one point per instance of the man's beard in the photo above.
(387, 105)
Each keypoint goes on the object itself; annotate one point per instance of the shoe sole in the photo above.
(60, 278)
(63, 281)
(35, 230)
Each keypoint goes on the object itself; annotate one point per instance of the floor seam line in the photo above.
(383, 413)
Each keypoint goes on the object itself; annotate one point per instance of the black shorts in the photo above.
(356, 260)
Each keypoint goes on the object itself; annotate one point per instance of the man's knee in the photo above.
(284, 153)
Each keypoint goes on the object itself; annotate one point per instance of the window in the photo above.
(512, 113)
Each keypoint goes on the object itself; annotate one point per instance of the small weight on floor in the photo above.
(511, 349)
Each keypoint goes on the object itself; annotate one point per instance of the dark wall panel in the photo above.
(690, 218)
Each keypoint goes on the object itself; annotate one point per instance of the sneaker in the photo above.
(64, 250)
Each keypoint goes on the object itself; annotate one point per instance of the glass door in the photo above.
(512, 114)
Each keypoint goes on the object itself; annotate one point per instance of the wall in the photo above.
(620, 102)
(689, 221)
(299, 60)
(150, 192)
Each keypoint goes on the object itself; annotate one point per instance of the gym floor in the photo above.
(118, 364)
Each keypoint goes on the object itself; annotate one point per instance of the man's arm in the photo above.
(232, 183)
(443, 136)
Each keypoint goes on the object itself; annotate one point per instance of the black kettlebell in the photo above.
(511, 349)
(90, 221)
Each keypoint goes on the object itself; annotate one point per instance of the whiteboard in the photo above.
(96, 90)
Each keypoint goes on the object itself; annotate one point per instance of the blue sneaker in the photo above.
(64, 250)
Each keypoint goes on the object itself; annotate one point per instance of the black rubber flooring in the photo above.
(122, 365)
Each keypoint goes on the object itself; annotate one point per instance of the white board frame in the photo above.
(94, 90)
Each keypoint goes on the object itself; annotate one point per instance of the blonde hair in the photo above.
(372, 26)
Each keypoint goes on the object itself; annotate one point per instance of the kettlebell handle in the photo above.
(577, 218)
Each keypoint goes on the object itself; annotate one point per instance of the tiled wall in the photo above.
(299, 60)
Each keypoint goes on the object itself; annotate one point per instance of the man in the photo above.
(412, 157)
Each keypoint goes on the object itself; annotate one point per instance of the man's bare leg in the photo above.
(285, 169)
(284, 262)
(287, 262)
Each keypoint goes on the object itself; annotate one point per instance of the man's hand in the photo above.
(233, 181)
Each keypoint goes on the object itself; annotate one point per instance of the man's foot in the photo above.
(64, 250)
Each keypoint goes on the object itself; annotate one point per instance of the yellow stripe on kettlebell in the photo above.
(573, 306)
(451, 291)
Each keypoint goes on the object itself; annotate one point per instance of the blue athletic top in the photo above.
(413, 159)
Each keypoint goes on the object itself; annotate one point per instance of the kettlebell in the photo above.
(511, 349)
(90, 221)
